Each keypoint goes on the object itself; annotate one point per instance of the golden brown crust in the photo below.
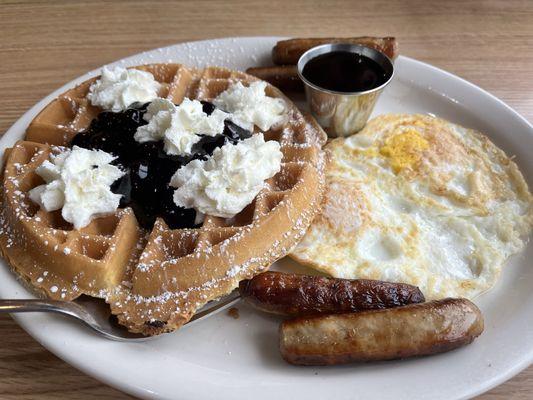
(408, 331)
(155, 281)
(300, 295)
(287, 52)
(284, 77)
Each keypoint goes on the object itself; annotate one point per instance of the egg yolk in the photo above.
(403, 150)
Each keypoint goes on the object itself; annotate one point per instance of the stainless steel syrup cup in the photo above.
(343, 113)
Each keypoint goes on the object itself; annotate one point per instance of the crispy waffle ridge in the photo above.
(155, 281)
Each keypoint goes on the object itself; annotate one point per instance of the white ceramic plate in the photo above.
(224, 358)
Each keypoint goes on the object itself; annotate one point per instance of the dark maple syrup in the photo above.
(343, 71)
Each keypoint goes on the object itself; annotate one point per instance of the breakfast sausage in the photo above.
(298, 295)
(284, 77)
(412, 330)
(289, 51)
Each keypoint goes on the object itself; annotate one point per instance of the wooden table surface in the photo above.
(45, 44)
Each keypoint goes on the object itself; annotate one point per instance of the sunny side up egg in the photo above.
(417, 199)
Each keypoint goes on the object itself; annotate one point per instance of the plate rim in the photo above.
(127, 387)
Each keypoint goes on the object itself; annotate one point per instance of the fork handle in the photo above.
(34, 305)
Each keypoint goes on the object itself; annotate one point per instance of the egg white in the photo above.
(417, 199)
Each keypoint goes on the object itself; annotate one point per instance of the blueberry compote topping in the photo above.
(148, 168)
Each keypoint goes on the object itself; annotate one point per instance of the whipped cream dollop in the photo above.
(119, 87)
(179, 126)
(225, 183)
(249, 106)
(78, 181)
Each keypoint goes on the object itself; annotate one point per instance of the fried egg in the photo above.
(420, 200)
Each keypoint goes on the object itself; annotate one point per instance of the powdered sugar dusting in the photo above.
(150, 288)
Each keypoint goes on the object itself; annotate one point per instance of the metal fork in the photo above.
(96, 314)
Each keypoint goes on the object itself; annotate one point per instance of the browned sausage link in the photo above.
(289, 51)
(413, 330)
(284, 77)
(297, 295)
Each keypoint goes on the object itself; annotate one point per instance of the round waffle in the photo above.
(155, 281)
